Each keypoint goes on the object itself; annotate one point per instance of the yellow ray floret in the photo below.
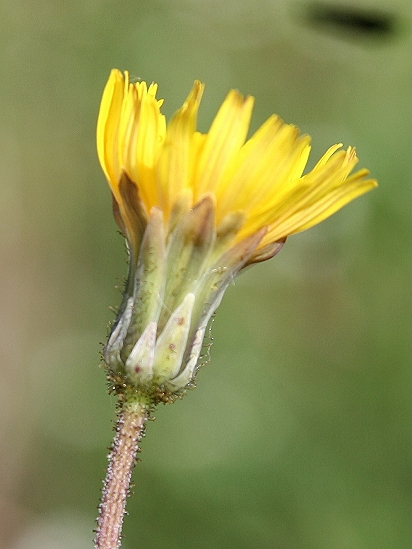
(261, 178)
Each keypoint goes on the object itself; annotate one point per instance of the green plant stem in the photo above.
(122, 458)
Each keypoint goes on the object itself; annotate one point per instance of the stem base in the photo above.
(122, 458)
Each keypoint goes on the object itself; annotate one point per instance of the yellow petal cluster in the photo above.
(261, 177)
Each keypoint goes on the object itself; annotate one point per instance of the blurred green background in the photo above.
(297, 435)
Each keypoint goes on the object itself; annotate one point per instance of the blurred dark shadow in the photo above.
(351, 20)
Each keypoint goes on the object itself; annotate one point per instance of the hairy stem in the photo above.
(122, 458)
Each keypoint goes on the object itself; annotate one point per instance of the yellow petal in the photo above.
(108, 126)
(177, 158)
(227, 134)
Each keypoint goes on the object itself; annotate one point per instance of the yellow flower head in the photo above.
(195, 209)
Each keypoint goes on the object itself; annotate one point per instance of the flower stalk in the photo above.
(122, 458)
